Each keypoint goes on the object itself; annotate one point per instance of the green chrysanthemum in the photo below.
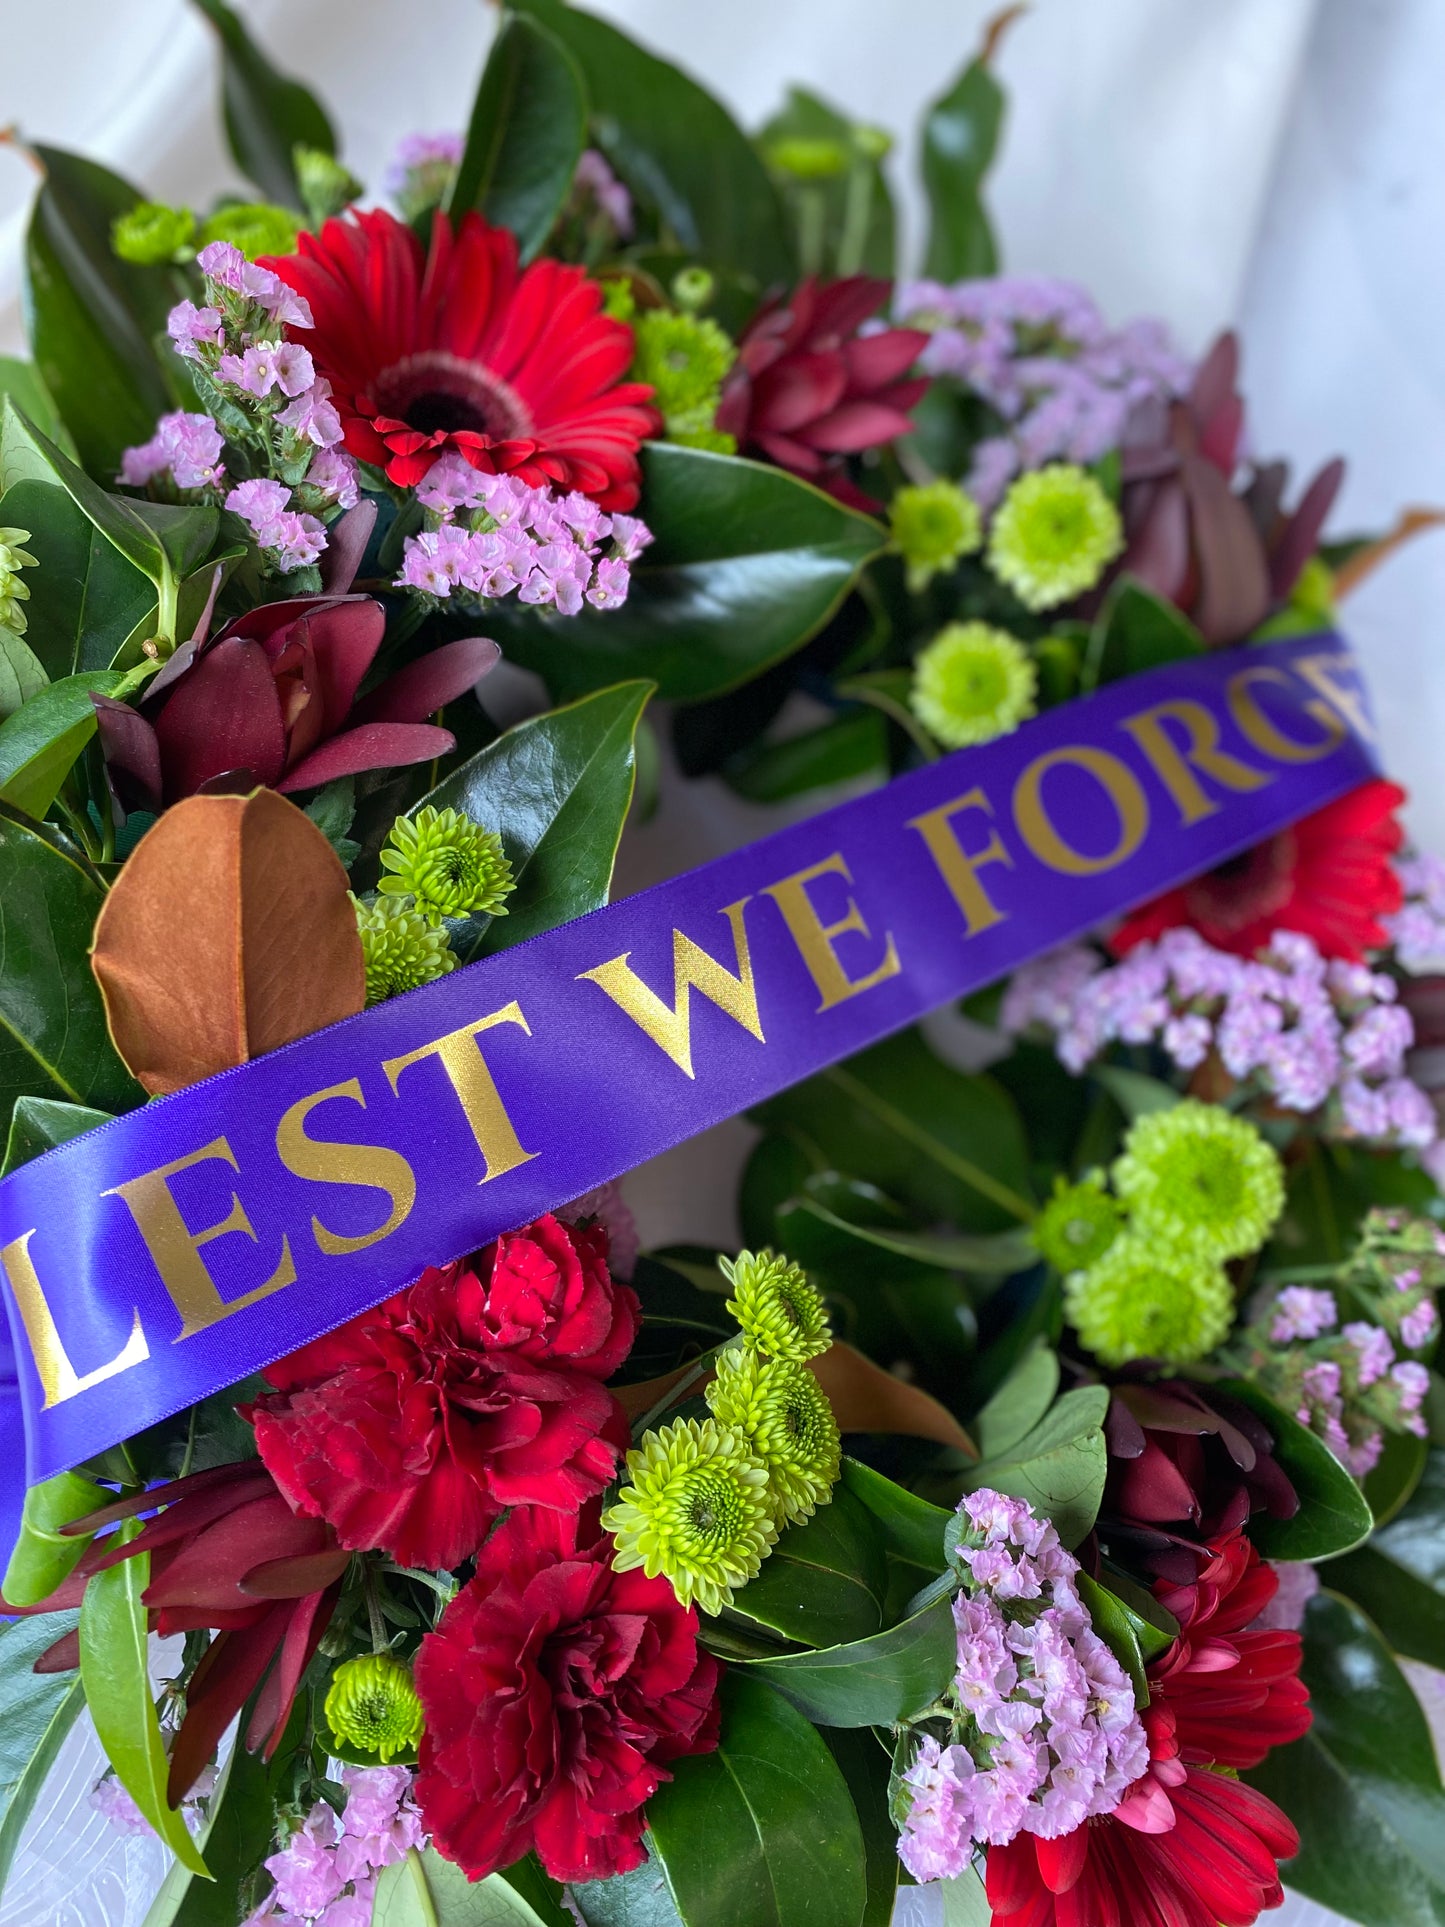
(13, 592)
(1055, 533)
(1077, 1225)
(778, 1309)
(933, 525)
(693, 287)
(450, 865)
(151, 233)
(696, 1509)
(973, 683)
(1199, 1178)
(783, 1413)
(373, 1706)
(685, 357)
(1144, 1299)
(326, 186)
(401, 949)
(255, 227)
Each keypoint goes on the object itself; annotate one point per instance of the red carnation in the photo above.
(459, 347)
(411, 1428)
(807, 390)
(1186, 1847)
(1329, 877)
(556, 1693)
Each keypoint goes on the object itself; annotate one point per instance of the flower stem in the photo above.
(857, 209)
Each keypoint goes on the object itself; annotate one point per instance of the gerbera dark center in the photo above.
(1248, 886)
(435, 390)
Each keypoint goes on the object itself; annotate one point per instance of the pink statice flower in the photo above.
(186, 449)
(115, 1803)
(267, 365)
(596, 178)
(1300, 1312)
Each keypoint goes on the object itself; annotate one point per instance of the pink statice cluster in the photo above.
(1066, 386)
(1042, 1732)
(115, 1803)
(596, 181)
(490, 535)
(1343, 1376)
(277, 463)
(1314, 1037)
(325, 1874)
(421, 170)
(1417, 928)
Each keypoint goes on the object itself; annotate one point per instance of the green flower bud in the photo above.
(401, 949)
(372, 1706)
(809, 160)
(152, 233)
(871, 143)
(780, 1312)
(450, 865)
(326, 186)
(693, 288)
(783, 1413)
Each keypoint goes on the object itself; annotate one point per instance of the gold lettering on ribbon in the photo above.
(1175, 764)
(460, 1056)
(1119, 784)
(670, 1027)
(58, 1376)
(329, 1161)
(176, 1249)
(815, 939)
(1256, 727)
(1317, 672)
(958, 867)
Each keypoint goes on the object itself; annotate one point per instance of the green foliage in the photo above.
(37, 1710)
(1019, 1403)
(268, 116)
(237, 1834)
(557, 788)
(1136, 630)
(848, 747)
(843, 221)
(960, 138)
(89, 607)
(1333, 1516)
(1398, 1576)
(747, 563)
(40, 743)
(527, 131)
(874, 1681)
(424, 1890)
(826, 1580)
(1362, 1786)
(1058, 1465)
(43, 1555)
(863, 1761)
(40, 1123)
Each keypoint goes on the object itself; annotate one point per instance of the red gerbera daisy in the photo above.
(1328, 877)
(458, 347)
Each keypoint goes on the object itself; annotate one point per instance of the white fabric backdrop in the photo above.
(1279, 164)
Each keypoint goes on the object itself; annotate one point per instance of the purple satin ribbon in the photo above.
(1078, 815)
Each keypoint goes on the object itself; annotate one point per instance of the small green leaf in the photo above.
(113, 1669)
(22, 674)
(527, 131)
(1333, 1515)
(1019, 1403)
(1362, 1786)
(874, 1681)
(747, 563)
(1132, 1639)
(37, 1710)
(267, 115)
(960, 138)
(43, 1555)
(1137, 630)
(1398, 1577)
(40, 743)
(38, 1124)
(425, 1890)
(557, 789)
(1059, 1466)
(763, 1830)
(843, 750)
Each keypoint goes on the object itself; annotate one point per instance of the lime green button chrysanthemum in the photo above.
(255, 227)
(1077, 1225)
(696, 1509)
(400, 948)
(1201, 1179)
(373, 1706)
(14, 558)
(151, 233)
(778, 1309)
(684, 356)
(450, 865)
(933, 525)
(783, 1413)
(1145, 1299)
(1055, 533)
(973, 683)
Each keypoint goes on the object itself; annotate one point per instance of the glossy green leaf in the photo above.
(94, 319)
(912, 1528)
(851, 212)
(38, 1124)
(960, 138)
(424, 1890)
(1362, 1786)
(1059, 1466)
(870, 1682)
(39, 744)
(826, 1579)
(89, 607)
(965, 1903)
(641, 1898)
(113, 1669)
(1398, 1472)
(993, 1254)
(864, 1764)
(681, 153)
(557, 789)
(1132, 1639)
(1137, 630)
(1134, 1093)
(53, 1037)
(747, 564)
(762, 1830)
(842, 750)
(21, 381)
(1019, 1403)
(528, 128)
(948, 1143)
(267, 115)
(43, 1555)
(1333, 1515)
(22, 674)
(37, 1710)
(235, 1837)
(1398, 1576)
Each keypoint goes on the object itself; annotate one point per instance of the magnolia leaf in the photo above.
(913, 1530)
(1334, 1515)
(826, 1579)
(870, 1682)
(114, 1672)
(426, 1890)
(1364, 558)
(37, 1710)
(865, 1398)
(228, 933)
(38, 1124)
(267, 114)
(866, 1767)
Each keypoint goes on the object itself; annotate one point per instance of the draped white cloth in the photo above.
(1277, 164)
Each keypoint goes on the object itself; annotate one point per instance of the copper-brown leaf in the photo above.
(228, 932)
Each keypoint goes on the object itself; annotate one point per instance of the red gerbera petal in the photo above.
(460, 347)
